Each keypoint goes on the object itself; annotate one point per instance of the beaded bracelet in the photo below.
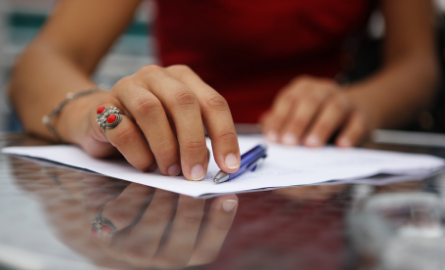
(46, 120)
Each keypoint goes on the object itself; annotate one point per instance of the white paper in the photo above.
(284, 166)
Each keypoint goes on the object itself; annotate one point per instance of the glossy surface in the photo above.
(46, 213)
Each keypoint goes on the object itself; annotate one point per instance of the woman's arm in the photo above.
(407, 82)
(164, 109)
(63, 56)
(310, 110)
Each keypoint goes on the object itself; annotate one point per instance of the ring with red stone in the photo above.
(108, 118)
(102, 228)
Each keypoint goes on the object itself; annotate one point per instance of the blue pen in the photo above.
(249, 162)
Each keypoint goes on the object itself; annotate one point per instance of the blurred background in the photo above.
(20, 21)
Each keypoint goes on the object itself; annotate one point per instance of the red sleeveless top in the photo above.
(249, 49)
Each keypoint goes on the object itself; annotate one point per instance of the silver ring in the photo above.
(102, 226)
(109, 118)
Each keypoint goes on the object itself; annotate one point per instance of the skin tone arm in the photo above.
(309, 110)
(62, 58)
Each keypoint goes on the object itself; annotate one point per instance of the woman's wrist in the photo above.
(72, 123)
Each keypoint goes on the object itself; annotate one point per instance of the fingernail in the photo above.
(174, 170)
(229, 205)
(272, 136)
(344, 142)
(232, 161)
(289, 139)
(197, 172)
(313, 140)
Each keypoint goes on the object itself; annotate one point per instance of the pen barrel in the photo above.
(248, 158)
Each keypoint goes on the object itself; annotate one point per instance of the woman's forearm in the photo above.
(40, 81)
(63, 56)
(399, 92)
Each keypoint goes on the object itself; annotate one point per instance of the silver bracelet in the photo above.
(46, 120)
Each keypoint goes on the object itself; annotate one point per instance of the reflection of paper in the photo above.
(284, 166)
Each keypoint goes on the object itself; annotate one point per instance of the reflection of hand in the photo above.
(164, 114)
(310, 110)
(170, 232)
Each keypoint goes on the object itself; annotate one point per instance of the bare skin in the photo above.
(307, 111)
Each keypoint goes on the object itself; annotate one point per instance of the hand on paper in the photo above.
(170, 232)
(310, 110)
(164, 111)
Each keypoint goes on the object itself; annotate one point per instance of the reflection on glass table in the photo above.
(95, 222)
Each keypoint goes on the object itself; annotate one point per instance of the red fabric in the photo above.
(249, 49)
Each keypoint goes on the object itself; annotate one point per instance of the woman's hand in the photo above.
(164, 111)
(310, 110)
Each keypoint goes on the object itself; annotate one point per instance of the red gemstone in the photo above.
(111, 118)
(106, 229)
(100, 110)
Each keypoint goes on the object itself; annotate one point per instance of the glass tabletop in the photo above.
(56, 217)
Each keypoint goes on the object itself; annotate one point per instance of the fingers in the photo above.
(217, 118)
(277, 117)
(150, 116)
(215, 229)
(154, 96)
(355, 129)
(129, 140)
(183, 107)
(329, 120)
(141, 246)
(295, 108)
(124, 209)
(310, 111)
(178, 247)
(300, 120)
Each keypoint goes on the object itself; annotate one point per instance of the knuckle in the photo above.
(222, 226)
(167, 150)
(191, 220)
(286, 96)
(337, 104)
(128, 80)
(121, 217)
(228, 136)
(161, 215)
(312, 99)
(183, 97)
(323, 126)
(150, 69)
(217, 102)
(147, 105)
(195, 145)
(180, 70)
(303, 79)
(124, 136)
(299, 123)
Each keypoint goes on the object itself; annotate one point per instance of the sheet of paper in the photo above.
(284, 166)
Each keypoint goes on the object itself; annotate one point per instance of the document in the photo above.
(285, 166)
